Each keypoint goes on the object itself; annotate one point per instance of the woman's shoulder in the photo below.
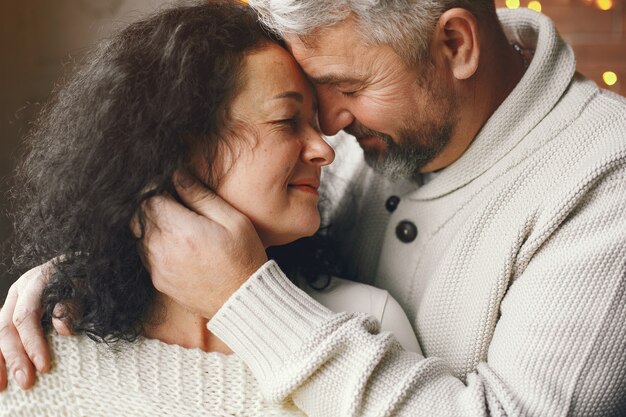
(142, 378)
(51, 395)
(354, 297)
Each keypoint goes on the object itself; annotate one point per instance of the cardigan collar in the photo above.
(546, 79)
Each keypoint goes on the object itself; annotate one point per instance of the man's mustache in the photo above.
(357, 130)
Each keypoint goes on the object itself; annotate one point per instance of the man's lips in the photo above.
(309, 185)
(371, 140)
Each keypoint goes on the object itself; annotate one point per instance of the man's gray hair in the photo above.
(406, 25)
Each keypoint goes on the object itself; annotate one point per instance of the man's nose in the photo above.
(334, 115)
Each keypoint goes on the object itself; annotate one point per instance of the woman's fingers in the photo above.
(3, 373)
(14, 355)
(27, 319)
(27, 316)
(59, 323)
(22, 340)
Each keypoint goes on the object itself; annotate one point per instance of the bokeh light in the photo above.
(512, 4)
(604, 4)
(609, 78)
(535, 5)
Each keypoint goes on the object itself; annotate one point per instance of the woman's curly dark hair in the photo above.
(112, 138)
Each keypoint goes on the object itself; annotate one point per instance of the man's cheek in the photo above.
(375, 115)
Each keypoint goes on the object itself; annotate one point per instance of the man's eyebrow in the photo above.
(290, 94)
(335, 79)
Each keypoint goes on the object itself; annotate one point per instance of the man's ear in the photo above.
(456, 41)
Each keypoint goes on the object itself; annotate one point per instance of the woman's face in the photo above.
(272, 171)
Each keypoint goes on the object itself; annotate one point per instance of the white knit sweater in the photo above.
(147, 378)
(515, 284)
(150, 378)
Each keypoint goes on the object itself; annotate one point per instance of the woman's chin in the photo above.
(279, 239)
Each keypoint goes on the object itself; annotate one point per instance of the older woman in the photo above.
(198, 89)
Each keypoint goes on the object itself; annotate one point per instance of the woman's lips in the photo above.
(309, 185)
(304, 188)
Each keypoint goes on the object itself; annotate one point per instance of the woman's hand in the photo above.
(22, 341)
(23, 346)
(199, 255)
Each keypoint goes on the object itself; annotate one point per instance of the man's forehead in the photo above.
(339, 40)
(332, 69)
(308, 42)
(324, 57)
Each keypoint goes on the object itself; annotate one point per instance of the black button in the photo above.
(406, 231)
(392, 203)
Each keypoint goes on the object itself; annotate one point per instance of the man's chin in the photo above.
(378, 163)
(394, 168)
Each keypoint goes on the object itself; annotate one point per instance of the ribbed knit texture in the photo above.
(515, 284)
(147, 378)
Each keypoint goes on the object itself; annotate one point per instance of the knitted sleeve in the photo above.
(559, 347)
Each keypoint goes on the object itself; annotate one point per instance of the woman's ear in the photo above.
(456, 42)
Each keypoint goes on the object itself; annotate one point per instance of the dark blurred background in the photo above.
(40, 39)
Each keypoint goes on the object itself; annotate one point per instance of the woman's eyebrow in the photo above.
(290, 94)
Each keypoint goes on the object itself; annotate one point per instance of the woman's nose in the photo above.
(317, 151)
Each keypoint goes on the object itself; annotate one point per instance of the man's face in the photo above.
(401, 116)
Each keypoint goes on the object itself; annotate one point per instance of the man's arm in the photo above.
(558, 348)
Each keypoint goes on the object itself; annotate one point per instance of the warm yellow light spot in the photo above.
(512, 4)
(604, 4)
(535, 5)
(610, 78)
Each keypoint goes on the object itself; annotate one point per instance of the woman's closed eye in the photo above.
(291, 123)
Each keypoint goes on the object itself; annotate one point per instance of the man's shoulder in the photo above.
(591, 126)
(602, 128)
(603, 109)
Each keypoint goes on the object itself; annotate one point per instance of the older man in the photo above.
(500, 222)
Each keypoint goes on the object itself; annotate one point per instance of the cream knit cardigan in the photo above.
(515, 284)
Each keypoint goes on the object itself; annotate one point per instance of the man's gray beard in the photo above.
(416, 145)
(405, 161)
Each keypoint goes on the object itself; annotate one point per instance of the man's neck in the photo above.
(179, 326)
(500, 70)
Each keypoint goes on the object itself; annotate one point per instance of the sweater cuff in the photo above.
(268, 319)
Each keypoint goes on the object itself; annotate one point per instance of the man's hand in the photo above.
(198, 256)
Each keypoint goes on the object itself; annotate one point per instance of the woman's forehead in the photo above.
(272, 72)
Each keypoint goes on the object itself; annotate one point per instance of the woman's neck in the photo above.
(179, 326)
